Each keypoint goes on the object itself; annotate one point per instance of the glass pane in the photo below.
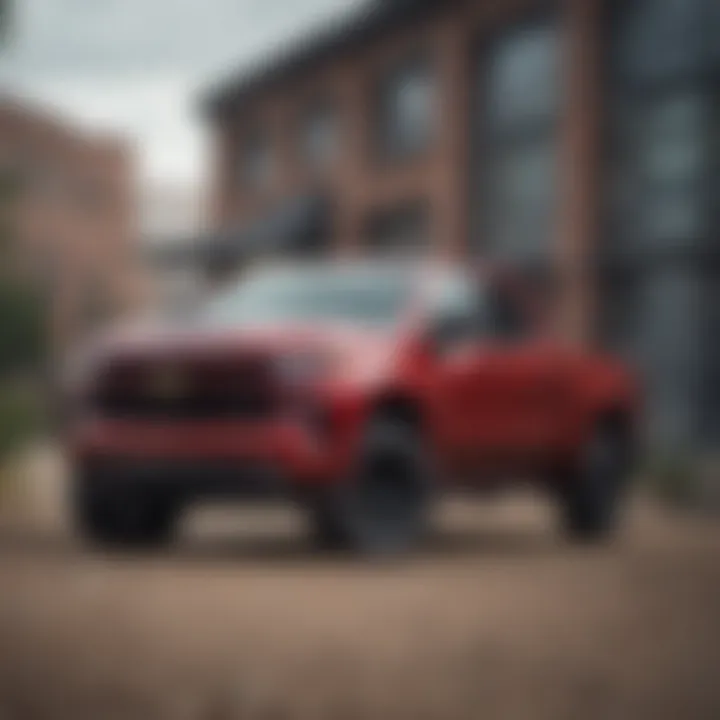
(407, 116)
(413, 101)
(522, 202)
(453, 296)
(660, 38)
(675, 216)
(675, 138)
(658, 160)
(523, 81)
(672, 160)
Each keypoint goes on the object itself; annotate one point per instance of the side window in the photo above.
(455, 311)
(504, 318)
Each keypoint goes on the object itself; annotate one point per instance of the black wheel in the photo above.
(123, 518)
(381, 509)
(591, 495)
(328, 532)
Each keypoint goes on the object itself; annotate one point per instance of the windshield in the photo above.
(360, 295)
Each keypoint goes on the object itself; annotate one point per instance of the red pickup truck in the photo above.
(359, 390)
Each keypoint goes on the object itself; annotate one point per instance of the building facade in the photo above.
(171, 213)
(72, 224)
(578, 137)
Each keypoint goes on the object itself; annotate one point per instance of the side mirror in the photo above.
(449, 330)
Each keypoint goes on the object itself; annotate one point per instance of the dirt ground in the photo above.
(497, 618)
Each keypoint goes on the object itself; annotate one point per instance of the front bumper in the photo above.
(212, 456)
(188, 481)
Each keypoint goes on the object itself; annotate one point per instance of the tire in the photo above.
(123, 518)
(592, 494)
(382, 508)
(328, 534)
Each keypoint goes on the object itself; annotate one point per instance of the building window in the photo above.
(404, 229)
(515, 131)
(523, 87)
(257, 162)
(319, 136)
(662, 155)
(658, 165)
(657, 39)
(661, 138)
(406, 105)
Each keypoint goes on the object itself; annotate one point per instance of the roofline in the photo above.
(371, 21)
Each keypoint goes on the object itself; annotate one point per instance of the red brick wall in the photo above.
(361, 185)
(75, 215)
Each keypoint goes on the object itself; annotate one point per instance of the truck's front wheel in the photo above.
(123, 518)
(381, 509)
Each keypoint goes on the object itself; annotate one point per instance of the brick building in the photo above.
(578, 137)
(73, 215)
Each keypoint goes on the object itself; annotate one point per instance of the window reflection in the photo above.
(406, 109)
(672, 218)
(516, 138)
(674, 141)
(661, 38)
(523, 200)
(523, 77)
(662, 151)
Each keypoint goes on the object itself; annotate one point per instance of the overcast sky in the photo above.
(138, 65)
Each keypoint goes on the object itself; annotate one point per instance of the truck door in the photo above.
(453, 330)
(500, 390)
(520, 383)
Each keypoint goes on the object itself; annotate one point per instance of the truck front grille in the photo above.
(167, 390)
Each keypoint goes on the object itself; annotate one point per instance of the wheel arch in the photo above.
(618, 418)
(402, 406)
